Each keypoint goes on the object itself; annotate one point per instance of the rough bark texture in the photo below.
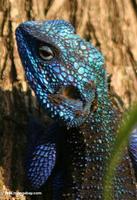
(111, 25)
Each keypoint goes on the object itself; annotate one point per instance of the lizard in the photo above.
(69, 78)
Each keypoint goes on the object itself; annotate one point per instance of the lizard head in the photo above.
(64, 70)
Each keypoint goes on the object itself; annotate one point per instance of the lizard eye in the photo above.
(46, 53)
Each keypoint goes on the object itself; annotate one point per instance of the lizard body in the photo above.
(69, 79)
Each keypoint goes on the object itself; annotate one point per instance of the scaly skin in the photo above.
(68, 77)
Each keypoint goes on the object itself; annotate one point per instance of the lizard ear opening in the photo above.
(71, 92)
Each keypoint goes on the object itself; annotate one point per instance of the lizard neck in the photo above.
(90, 148)
(99, 134)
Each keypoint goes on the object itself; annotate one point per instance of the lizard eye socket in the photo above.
(45, 53)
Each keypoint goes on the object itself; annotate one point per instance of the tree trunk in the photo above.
(111, 25)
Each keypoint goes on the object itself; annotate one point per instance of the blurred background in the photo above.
(111, 25)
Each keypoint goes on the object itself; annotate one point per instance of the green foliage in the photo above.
(130, 120)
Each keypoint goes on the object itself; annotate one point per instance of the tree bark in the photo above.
(111, 25)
